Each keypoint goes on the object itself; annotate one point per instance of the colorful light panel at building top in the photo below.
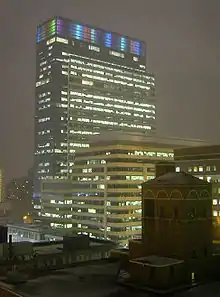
(46, 30)
(123, 44)
(135, 47)
(108, 39)
(84, 33)
(88, 34)
(59, 26)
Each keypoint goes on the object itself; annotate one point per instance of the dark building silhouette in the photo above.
(176, 208)
(176, 245)
(3, 234)
(204, 163)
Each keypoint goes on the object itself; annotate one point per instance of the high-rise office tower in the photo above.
(87, 80)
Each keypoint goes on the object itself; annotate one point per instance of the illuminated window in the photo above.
(195, 169)
(94, 48)
(68, 226)
(177, 169)
(138, 177)
(116, 54)
(189, 169)
(52, 40)
(91, 210)
(208, 168)
(215, 213)
(87, 170)
(200, 168)
(62, 40)
(68, 202)
(209, 179)
(87, 82)
(214, 201)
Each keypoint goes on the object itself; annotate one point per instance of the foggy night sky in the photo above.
(183, 51)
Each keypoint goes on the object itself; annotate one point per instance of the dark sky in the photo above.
(183, 50)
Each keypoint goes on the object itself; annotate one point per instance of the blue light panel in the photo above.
(108, 39)
(137, 48)
(78, 32)
(123, 44)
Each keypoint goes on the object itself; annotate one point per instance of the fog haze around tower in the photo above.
(183, 45)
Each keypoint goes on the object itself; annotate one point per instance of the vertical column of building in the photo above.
(2, 194)
(50, 115)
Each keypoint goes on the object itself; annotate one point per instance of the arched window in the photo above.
(193, 194)
(149, 194)
(176, 194)
(204, 194)
(162, 194)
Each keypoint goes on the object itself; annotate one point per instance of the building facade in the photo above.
(104, 196)
(177, 209)
(87, 80)
(204, 163)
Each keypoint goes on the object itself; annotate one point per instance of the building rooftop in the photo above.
(48, 249)
(82, 281)
(176, 178)
(57, 247)
(154, 260)
(141, 138)
(25, 226)
(204, 152)
(97, 280)
(80, 23)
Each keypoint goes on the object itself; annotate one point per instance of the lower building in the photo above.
(32, 233)
(177, 209)
(204, 163)
(103, 198)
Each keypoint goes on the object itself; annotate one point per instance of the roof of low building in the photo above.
(176, 178)
(155, 260)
